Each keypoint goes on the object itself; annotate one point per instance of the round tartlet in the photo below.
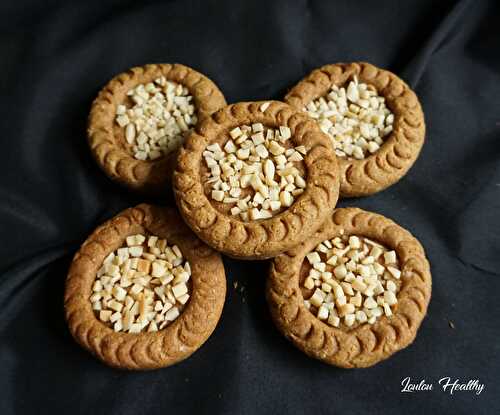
(366, 344)
(145, 350)
(107, 139)
(265, 238)
(400, 148)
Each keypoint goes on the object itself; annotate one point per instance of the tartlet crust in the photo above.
(106, 139)
(401, 147)
(366, 344)
(145, 350)
(264, 238)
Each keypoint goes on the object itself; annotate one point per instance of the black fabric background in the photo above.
(55, 55)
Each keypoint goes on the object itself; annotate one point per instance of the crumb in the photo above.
(235, 285)
(451, 324)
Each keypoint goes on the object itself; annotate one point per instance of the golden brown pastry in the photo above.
(354, 293)
(255, 179)
(143, 292)
(141, 117)
(373, 117)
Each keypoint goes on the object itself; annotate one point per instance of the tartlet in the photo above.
(113, 142)
(354, 343)
(280, 214)
(386, 162)
(142, 349)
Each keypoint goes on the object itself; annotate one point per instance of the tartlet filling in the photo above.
(143, 285)
(351, 280)
(356, 118)
(257, 173)
(156, 122)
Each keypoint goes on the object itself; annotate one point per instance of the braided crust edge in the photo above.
(265, 238)
(366, 344)
(145, 350)
(108, 147)
(400, 149)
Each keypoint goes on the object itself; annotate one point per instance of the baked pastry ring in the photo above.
(107, 139)
(145, 350)
(366, 344)
(267, 237)
(400, 148)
